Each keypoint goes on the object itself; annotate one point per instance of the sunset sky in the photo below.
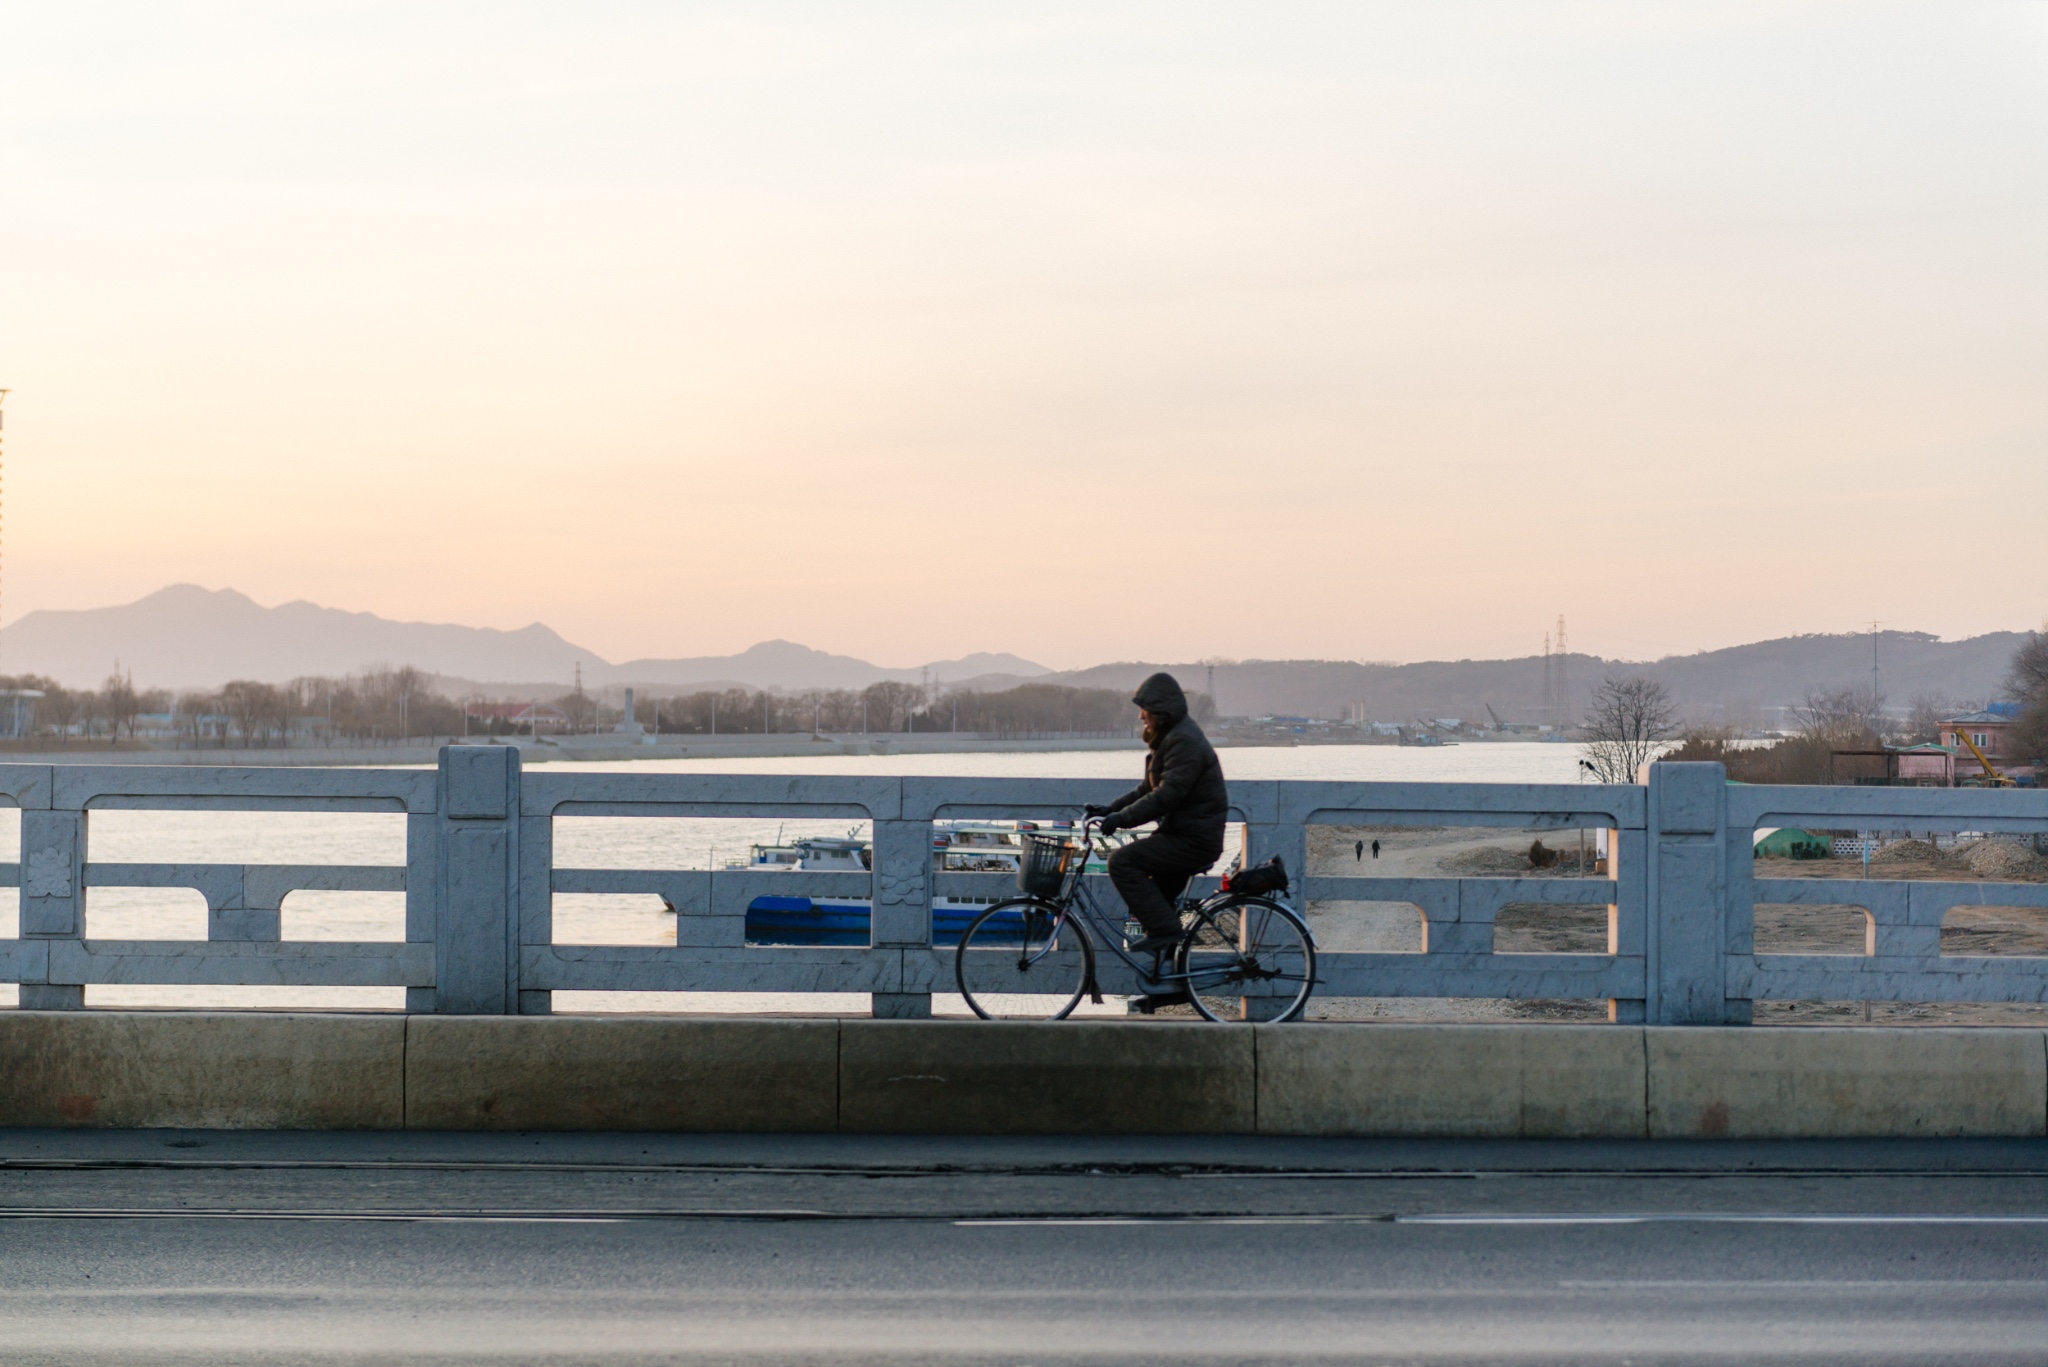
(1089, 332)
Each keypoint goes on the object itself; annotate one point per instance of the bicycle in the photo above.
(1240, 956)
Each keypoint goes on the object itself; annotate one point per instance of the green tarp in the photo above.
(1791, 843)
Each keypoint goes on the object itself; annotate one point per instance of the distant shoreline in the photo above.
(600, 749)
(612, 749)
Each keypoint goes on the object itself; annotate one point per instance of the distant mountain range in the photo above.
(189, 637)
(1741, 684)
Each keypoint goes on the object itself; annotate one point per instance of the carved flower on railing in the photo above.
(46, 873)
(896, 887)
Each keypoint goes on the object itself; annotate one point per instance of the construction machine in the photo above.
(1992, 778)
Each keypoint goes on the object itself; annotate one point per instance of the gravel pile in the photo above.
(1909, 852)
(1487, 859)
(2003, 859)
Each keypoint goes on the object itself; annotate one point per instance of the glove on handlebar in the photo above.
(1109, 824)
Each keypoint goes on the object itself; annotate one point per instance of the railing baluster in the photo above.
(53, 897)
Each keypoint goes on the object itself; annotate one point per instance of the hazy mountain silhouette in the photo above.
(1735, 684)
(185, 636)
(189, 637)
(787, 665)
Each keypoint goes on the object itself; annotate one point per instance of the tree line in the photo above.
(389, 704)
(379, 703)
(888, 706)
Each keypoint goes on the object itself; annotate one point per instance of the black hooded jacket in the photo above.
(1183, 789)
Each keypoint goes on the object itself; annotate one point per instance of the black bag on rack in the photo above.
(1270, 876)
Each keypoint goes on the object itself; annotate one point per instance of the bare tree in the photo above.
(2028, 680)
(120, 703)
(1631, 717)
(193, 710)
(91, 709)
(255, 708)
(1924, 716)
(892, 705)
(1846, 717)
(60, 708)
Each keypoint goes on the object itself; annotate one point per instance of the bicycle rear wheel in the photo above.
(1248, 960)
(1020, 960)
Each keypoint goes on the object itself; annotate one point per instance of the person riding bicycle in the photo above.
(1183, 791)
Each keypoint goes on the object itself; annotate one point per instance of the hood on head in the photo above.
(1161, 696)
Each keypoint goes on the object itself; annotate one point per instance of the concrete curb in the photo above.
(202, 1070)
(253, 1070)
(619, 1073)
(1054, 1077)
(1512, 1081)
(1820, 1083)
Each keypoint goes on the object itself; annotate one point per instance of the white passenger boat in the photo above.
(957, 847)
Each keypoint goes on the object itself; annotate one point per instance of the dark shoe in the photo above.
(1156, 942)
(1151, 1002)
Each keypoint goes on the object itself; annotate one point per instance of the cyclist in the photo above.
(1183, 792)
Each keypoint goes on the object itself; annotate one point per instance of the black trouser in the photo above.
(1150, 873)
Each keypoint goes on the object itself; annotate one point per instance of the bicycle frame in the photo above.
(1075, 900)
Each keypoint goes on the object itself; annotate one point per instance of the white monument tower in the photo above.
(630, 725)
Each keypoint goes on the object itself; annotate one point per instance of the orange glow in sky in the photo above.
(1087, 332)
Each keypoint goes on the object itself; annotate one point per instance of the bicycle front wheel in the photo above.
(1248, 960)
(1023, 960)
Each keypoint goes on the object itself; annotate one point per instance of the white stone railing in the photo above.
(479, 880)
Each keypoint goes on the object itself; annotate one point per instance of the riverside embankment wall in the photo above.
(282, 1071)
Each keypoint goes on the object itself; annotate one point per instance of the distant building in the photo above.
(1915, 766)
(1989, 730)
(18, 712)
(1925, 766)
(537, 716)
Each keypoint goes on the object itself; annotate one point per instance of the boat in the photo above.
(957, 847)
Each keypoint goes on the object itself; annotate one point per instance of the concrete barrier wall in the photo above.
(238, 1070)
(251, 1070)
(1054, 1077)
(620, 1073)
(1819, 1083)
(1501, 1081)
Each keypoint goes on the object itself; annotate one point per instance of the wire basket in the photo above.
(1043, 868)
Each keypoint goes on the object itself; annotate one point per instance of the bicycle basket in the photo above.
(1043, 868)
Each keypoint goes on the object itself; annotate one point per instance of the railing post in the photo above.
(536, 902)
(476, 883)
(1688, 898)
(902, 917)
(52, 896)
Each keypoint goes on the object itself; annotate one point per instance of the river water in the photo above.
(585, 842)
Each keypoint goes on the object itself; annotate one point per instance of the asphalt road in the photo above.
(217, 1248)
